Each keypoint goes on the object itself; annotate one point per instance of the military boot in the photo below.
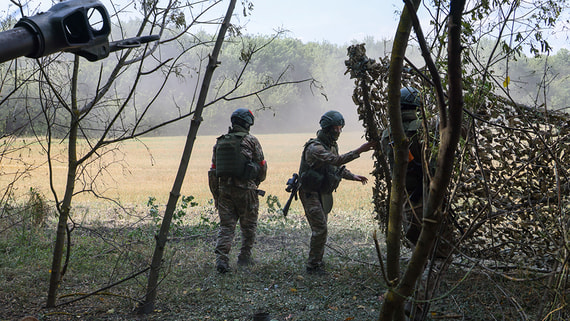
(245, 260)
(223, 267)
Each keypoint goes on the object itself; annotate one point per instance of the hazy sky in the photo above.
(336, 21)
(340, 21)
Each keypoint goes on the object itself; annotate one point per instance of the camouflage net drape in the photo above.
(370, 97)
(510, 191)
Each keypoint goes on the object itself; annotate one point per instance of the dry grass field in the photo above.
(141, 169)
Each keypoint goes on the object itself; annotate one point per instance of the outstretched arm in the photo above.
(362, 179)
(318, 153)
(365, 147)
(346, 174)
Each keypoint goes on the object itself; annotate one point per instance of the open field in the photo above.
(146, 168)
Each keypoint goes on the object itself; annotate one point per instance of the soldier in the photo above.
(238, 167)
(320, 173)
(409, 102)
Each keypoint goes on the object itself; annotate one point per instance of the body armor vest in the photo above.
(414, 171)
(324, 179)
(229, 159)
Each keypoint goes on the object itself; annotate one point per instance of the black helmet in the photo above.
(410, 98)
(243, 117)
(331, 118)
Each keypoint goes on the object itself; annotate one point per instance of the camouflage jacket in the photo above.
(317, 155)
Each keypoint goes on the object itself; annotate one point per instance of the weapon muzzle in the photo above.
(78, 26)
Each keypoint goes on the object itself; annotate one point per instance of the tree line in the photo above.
(282, 110)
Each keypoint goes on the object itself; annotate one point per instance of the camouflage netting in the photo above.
(510, 193)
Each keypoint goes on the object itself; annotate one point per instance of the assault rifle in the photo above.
(293, 185)
(81, 27)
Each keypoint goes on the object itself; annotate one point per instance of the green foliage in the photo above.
(275, 219)
(269, 60)
(186, 202)
(206, 222)
(36, 210)
(153, 210)
(178, 224)
(28, 217)
(273, 204)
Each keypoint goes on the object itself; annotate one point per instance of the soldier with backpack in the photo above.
(238, 167)
(320, 173)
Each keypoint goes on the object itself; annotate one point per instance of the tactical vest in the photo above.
(324, 179)
(229, 159)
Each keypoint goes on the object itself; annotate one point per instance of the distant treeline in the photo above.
(290, 108)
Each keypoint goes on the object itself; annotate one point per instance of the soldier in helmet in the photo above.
(238, 167)
(410, 101)
(320, 172)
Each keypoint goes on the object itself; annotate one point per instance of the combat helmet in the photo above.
(410, 98)
(242, 117)
(331, 118)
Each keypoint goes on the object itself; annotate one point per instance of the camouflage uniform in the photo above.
(317, 154)
(237, 200)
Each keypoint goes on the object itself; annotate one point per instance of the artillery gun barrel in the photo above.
(16, 42)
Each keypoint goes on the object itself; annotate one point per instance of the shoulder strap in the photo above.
(303, 166)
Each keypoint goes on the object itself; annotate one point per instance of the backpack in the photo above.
(229, 159)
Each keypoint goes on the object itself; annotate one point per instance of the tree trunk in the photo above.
(56, 272)
(393, 303)
(65, 207)
(450, 129)
(150, 298)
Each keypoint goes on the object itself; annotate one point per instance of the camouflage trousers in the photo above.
(236, 204)
(317, 219)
